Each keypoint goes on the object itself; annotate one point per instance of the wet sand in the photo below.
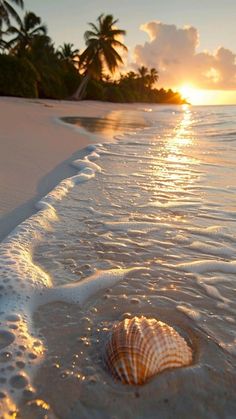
(36, 150)
(155, 183)
(75, 383)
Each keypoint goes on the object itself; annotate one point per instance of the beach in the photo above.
(134, 217)
(36, 150)
(117, 210)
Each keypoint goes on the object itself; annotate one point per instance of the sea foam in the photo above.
(25, 285)
(204, 266)
(148, 202)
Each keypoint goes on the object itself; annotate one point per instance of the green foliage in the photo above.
(68, 53)
(114, 94)
(18, 77)
(129, 94)
(70, 78)
(138, 87)
(57, 79)
(95, 91)
(25, 32)
(38, 72)
(7, 10)
(101, 42)
(33, 68)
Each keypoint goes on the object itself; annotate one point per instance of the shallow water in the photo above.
(117, 122)
(161, 198)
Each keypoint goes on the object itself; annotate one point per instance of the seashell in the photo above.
(139, 348)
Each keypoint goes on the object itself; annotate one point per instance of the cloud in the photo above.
(173, 51)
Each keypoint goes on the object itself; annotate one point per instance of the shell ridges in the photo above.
(139, 348)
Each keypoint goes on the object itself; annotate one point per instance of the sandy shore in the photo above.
(36, 151)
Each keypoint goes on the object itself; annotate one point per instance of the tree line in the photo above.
(31, 66)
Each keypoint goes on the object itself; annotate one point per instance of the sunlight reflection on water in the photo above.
(165, 200)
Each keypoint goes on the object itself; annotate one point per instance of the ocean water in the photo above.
(146, 227)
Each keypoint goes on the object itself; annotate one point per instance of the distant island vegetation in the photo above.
(31, 66)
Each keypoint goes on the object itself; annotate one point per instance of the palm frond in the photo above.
(94, 27)
(19, 3)
(111, 57)
(26, 31)
(101, 41)
(10, 11)
(116, 32)
(89, 34)
(119, 44)
(40, 30)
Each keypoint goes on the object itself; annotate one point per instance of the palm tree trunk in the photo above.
(80, 92)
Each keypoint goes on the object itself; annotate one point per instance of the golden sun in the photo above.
(191, 94)
(197, 96)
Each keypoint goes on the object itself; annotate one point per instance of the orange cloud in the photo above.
(173, 51)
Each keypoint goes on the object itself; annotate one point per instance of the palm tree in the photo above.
(153, 77)
(67, 53)
(27, 29)
(7, 10)
(3, 43)
(101, 42)
(143, 71)
(131, 75)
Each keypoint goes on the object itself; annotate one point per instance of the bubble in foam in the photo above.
(13, 318)
(5, 356)
(28, 393)
(20, 364)
(19, 381)
(135, 300)
(32, 355)
(6, 338)
(13, 327)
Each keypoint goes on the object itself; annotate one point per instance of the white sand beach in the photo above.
(36, 151)
(146, 227)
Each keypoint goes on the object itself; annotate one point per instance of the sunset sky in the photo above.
(191, 42)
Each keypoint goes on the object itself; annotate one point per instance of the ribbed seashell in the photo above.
(139, 348)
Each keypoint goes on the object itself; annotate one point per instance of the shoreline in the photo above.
(37, 149)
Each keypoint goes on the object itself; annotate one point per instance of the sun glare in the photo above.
(197, 96)
(192, 95)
